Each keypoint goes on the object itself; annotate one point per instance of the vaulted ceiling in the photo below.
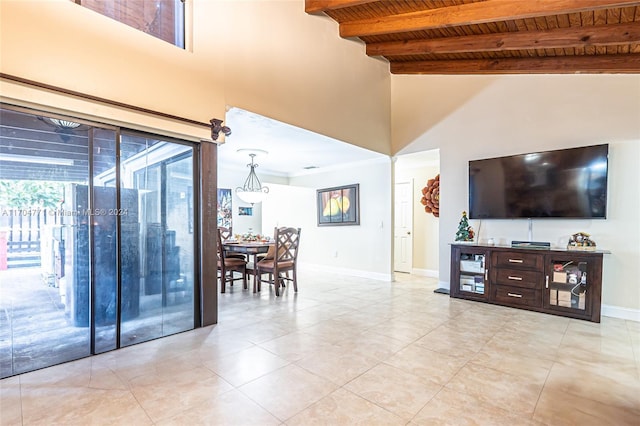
(493, 36)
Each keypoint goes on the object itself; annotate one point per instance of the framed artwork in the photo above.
(339, 205)
(245, 211)
(224, 207)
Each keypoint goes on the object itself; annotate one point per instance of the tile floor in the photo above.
(349, 351)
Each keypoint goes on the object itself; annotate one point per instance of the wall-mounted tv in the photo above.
(566, 183)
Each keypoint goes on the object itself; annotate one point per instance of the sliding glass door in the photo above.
(97, 247)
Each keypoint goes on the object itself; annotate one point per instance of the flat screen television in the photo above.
(566, 183)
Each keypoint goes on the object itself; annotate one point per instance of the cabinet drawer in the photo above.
(514, 259)
(519, 278)
(516, 296)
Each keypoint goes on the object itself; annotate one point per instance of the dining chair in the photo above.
(228, 265)
(226, 234)
(284, 259)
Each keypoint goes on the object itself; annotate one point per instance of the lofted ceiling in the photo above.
(493, 36)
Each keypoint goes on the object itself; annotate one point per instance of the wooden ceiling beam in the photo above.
(548, 65)
(600, 35)
(317, 6)
(473, 13)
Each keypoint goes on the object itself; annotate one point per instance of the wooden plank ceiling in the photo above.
(493, 36)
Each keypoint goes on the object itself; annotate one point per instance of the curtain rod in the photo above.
(102, 100)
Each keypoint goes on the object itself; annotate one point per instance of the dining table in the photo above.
(249, 248)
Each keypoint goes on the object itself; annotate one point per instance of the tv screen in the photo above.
(566, 183)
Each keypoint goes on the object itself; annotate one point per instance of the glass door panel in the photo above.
(179, 279)
(44, 242)
(472, 272)
(568, 284)
(105, 233)
(154, 174)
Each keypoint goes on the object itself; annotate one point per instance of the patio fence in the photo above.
(20, 234)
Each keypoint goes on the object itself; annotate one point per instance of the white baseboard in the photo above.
(622, 313)
(425, 272)
(378, 276)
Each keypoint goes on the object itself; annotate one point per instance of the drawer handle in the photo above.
(515, 278)
(514, 295)
(516, 261)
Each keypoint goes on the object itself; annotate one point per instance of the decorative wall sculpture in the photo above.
(431, 196)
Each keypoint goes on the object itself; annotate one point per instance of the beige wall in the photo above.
(269, 57)
(425, 225)
(486, 116)
(293, 67)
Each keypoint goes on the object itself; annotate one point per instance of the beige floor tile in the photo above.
(535, 322)
(265, 332)
(392, 346)
(221, 345)
(600, 345)
(106, 379)
(535, 369)
(249, 364)
(344, 408)
(406, 330)
(295, 346)
(455, 408)
(287, 391)
(80, 406)
(591, 384)
(230, 409)
(10, 403)
(613, 366)
(454, 342)
(393, 389)
(491, 386)
(77, 373)
(428, 365)
(337, 364)
(564, 409)
(372, 344)
(332, 331)
(164, 394)
(522, 344)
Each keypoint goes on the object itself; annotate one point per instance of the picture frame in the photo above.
(245, 211)
(224, 207)
(339, 206)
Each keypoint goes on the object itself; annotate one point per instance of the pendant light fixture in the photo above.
(252, 191)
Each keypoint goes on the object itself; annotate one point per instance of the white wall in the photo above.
(292, 206)
(487, 116)
(363, 250)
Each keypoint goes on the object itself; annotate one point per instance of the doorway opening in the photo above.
(416, 233)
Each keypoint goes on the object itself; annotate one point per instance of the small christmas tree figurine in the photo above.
(465, 232)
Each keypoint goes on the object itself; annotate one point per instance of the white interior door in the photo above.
(403, 227)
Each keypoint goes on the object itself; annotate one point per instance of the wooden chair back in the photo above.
(225, 233)
(287, 241)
